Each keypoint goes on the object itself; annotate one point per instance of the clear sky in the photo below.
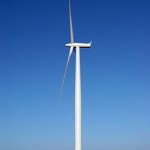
(115, 74)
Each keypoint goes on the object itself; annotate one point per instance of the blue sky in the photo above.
(115, 74)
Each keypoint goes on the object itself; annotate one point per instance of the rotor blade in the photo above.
(70, 52)
(71, 26)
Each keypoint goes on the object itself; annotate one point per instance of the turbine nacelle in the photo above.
(82, 45)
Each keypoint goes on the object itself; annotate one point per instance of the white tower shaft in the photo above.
(78, 101)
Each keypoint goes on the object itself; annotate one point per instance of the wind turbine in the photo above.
(76, 48)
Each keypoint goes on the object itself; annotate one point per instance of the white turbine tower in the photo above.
(76, 48)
